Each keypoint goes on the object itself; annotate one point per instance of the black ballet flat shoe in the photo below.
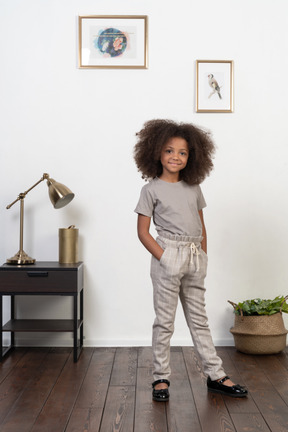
(218, 387)
(160, 395)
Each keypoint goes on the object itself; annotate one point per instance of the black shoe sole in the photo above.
(160, 400)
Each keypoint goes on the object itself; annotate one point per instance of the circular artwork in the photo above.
(111, 42)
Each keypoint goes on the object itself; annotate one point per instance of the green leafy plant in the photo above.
(261, 307)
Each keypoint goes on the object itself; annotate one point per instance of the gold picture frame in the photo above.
(214, 86)
(113, 42)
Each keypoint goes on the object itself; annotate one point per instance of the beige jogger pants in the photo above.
(180, 273)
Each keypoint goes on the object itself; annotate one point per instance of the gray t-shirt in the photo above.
(173, 206)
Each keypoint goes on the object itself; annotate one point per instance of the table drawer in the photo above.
(33, 280)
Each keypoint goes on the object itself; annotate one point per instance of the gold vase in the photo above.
(68, 245)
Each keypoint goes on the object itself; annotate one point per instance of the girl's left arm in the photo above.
(204, 233)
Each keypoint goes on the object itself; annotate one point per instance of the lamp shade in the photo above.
(59, 194)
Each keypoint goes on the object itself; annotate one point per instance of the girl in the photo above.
(176, 158)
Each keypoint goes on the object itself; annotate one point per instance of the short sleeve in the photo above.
(145, 204)
(201, 200)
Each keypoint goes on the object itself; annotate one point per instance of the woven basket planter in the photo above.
(261, 334)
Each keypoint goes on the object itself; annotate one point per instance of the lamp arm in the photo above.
(22, 195)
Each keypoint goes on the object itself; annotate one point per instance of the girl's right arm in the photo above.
(143, 227)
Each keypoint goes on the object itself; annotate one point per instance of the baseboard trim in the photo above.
(46, 341)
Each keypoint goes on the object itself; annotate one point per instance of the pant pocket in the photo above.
(162, 259)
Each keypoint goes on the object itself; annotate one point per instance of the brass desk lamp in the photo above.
(59, 195)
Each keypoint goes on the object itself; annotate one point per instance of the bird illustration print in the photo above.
(214, 85)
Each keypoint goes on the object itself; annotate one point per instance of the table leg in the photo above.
(12, 306)
(81, 318)
(1, 323)
(75, 327)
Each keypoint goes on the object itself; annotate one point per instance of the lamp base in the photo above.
(20, 258)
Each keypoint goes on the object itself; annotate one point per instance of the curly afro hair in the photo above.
(155, 134)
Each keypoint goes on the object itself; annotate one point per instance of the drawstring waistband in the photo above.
(193, 243)
(181, 238)
(195, 251)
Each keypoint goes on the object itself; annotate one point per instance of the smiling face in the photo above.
(174, 157)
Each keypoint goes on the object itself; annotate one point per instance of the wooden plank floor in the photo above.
(109, 390)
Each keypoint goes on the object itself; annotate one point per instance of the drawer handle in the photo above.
(37, 274)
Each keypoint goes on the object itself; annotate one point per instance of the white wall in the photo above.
(79, 126)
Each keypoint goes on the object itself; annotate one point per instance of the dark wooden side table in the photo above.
(42, 279)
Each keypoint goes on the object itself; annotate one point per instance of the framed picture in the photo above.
(113, 42)
(214, 86)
